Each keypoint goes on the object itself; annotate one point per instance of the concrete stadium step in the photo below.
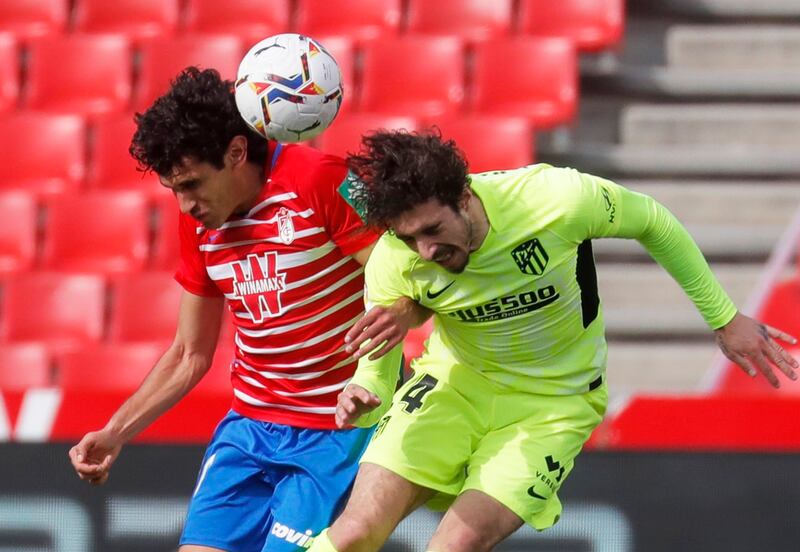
(750, 9)
(692, 83)
(665, 59)
(738, 47)
(657, 367)
(721, 126)
(643, 301)
(729, 220)
(615, 161)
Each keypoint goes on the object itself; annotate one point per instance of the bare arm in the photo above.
(179, 369)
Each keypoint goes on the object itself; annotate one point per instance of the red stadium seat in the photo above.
(63, 311)
(24, 365)
(491, 142)
(145, 307)
(166, 246)
(136, 19)
(17, 231)
(164, 58)
(418, 76)
(111, 165)
(107, 367)
(357, 19)
(527, 77)
(105, 232)
(42, 153)
(344, 135)
(83, 74)
(28, 19)
(9, 72)
(470, 20)
(592, 24)
(251, 20)
(343, 51)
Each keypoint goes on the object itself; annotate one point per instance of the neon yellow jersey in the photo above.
(525, 312)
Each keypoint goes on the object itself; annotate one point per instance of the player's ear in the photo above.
(236, 153)
(465, 198)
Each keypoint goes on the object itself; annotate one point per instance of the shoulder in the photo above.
(392, 256)
(308, 170)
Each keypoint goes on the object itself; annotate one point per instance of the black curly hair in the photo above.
(400, 170)
(196, 118)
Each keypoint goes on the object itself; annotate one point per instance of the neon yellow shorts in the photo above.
(471, 433)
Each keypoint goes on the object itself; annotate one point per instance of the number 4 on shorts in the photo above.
(415, 394)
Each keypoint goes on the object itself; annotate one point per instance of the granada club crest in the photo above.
(285, 226)
(258, 284)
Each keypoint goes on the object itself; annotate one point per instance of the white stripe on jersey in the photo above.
(294, 347)
(293, 376)
(310, 299)
(311, 409)
(224, 271)
(220, 246)
(253, 222)
(269, 201)
(302, 323)
(310, 393)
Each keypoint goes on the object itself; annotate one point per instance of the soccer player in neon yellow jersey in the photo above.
(511, 383)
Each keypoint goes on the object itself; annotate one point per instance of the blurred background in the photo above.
(691, 101)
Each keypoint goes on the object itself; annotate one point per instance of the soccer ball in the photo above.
(288, 88)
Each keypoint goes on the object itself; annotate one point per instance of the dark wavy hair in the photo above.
(196, 118)
(400, 170)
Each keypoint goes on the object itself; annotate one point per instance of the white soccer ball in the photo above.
(288, 88)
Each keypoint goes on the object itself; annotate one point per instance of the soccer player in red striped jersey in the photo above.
(269, 230)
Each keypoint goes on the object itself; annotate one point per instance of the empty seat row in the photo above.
(592, 24)
(96, 232)
(488, 142)
(95, 157)
(93, 75)
(66, 311)
(104, 367)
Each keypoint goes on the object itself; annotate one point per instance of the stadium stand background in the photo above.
(691, 101)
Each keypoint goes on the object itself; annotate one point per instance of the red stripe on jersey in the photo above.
(291, 288)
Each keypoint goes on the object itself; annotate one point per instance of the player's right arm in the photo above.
(179, 369)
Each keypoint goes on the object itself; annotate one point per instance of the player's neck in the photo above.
(479, 221)
(251, 186)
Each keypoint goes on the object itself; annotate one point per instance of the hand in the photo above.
(354, 401)
(752, 346)
(382, 328)
(93, 456)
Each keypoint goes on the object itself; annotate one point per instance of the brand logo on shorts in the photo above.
(284, 532)
(530, 256)
(552, 482)
(534, 494)
(554, 465)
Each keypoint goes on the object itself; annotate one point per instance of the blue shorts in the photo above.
(265, 486)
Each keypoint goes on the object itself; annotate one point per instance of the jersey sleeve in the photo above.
(600, 208)
(191, 273)
(386, 282)
(327, 190)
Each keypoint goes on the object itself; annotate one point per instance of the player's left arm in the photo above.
(618, 212)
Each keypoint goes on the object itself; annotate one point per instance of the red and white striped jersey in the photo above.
(290, 284)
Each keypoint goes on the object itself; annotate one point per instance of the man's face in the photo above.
(437, 233)
(203, 191)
